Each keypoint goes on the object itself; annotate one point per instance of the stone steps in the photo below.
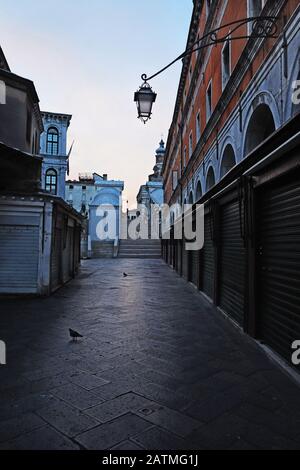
(102, 249)
(140, 249)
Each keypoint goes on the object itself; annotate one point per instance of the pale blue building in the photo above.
(53, 149)
(87, 195)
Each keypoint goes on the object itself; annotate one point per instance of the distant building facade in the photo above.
(39, 232)
(86, 195)
(54, 152)
(152, 192)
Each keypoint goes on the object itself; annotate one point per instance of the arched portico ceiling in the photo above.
(199, 192)
(228, 160)
(210, 178)
(262, 119)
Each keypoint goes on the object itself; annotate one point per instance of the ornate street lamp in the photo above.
(258, 27)
(144, 99)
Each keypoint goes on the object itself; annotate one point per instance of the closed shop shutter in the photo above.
(171, 252)
(194, 267)
(174, 253)
(185, 267)
(279, 265)
(56, 260)
(167, 244)
(67, 263)
(232, 263)
(19, 257)
(72, 252)
(179, 249)
(208, 259)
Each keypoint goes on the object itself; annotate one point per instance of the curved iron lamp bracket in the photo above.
(262, 27)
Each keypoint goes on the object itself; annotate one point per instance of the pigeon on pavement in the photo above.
(74, 335)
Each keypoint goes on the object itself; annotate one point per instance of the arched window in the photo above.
(228, 160)
(51, 181)
(210, 179)
(191, 198)
(260, 127)
(52, 141)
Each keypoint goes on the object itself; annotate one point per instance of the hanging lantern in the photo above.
(144, 99)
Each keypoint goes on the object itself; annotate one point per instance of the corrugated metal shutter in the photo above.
(185, 266)
(232, 263)
(72, 252)
(194, 267)
(56, 260)
(174, 253)
(67, 258)
(19, 257)
(167, 249)
(179, 256)
(279, 265)
(171, 252)
(208, 259)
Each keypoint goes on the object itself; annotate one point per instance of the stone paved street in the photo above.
(158, 368)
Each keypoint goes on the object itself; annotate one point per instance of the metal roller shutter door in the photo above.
(179, 248)
(185, 267)
(19, 258)
(171, 253)
(208, 259)
(232, 263)
(67, 258)
(194, 267)
(279, 266)
(175, 254)
(56, 260)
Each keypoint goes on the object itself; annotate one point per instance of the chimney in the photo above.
(105, 177)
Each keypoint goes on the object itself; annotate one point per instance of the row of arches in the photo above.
(260, 126)
(261, 119)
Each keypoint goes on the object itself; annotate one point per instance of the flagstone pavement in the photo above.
(158, 369)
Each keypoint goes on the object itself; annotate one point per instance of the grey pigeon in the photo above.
(74, 335)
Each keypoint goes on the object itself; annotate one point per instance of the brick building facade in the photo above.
(231, 96)
(234, 146)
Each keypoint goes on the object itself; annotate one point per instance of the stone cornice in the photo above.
(47, 115)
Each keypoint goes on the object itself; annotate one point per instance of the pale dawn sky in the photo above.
(86, 59)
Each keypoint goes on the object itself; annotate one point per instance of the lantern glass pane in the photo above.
(145, 105)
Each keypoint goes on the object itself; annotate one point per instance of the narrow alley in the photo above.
(158, 368)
